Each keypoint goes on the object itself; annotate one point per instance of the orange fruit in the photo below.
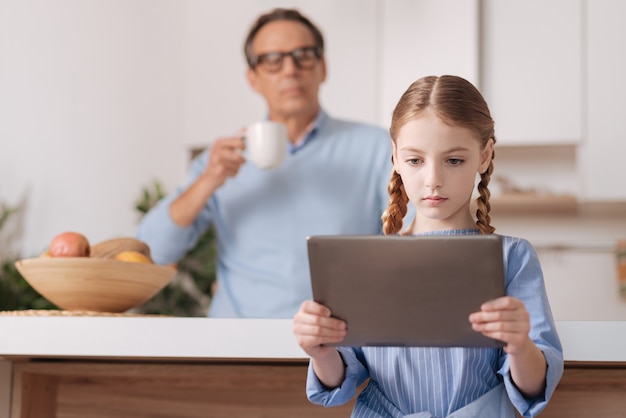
(133, 257)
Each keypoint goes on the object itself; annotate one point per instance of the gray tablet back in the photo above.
(407, 290)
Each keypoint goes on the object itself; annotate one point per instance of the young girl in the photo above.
(443, 136)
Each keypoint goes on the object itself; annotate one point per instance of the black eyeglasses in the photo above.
(304, 58)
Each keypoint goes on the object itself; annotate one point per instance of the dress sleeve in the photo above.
(356, 373)
(525, 282)
(169, 242)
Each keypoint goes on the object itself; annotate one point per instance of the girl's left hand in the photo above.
(505, 319)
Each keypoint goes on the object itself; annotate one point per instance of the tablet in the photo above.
(407, 290)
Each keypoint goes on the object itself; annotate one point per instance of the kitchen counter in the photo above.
(89, 357)
(210, 338)
(149, 338)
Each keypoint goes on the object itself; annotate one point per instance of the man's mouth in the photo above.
(291, 88)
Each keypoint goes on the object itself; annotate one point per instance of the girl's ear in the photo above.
(394, 157)
(485, 156)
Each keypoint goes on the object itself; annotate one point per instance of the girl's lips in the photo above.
(435, 200)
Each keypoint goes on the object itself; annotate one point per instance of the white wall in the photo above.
(100, 97)
(90, 111)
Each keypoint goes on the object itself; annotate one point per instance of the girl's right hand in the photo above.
(314, 327)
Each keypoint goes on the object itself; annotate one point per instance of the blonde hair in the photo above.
(456, 102)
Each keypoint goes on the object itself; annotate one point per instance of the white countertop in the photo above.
(210, 338)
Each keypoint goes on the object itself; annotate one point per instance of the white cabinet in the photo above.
(602, 156)
(532, 70)
(351, 32)
(425, 37)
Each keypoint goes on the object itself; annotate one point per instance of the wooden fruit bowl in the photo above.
(94, 284)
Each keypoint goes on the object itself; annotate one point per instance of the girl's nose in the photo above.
(434, 179)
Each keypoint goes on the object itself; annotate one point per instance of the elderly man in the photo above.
(332, 181)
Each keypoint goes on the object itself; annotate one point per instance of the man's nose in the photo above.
(289, 64)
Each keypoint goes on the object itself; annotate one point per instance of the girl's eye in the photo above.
(414, 161)
(455, 161)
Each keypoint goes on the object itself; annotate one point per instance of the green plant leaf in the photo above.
(199, 263)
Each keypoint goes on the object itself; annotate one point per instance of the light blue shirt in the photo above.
(436, 382)
(333, 183)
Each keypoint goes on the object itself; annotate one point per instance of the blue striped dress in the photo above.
(436, 382)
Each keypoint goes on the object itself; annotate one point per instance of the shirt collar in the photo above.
(318, 122)
(311, 134)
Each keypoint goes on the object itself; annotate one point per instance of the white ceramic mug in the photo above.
(266, 144)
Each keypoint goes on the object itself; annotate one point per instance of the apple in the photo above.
(69, 244)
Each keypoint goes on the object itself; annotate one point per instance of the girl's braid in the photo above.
(398, 199)
(483, 220)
